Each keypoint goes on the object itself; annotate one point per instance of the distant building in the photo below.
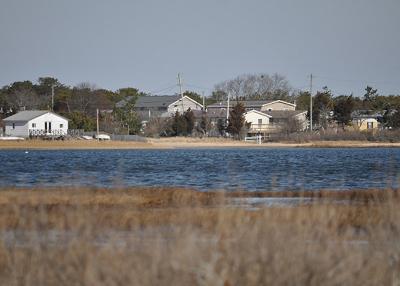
(278, 105)
(35, 123)
(364, 122)
(148, 107)
(260, 105)
(274, 121)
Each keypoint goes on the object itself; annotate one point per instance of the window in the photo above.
(61, 125)
(13, 125)
(370, 125)
(33, 125)
(260, 121)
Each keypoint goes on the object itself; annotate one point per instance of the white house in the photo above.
(267, 122)
(35, 123)
(258, 121)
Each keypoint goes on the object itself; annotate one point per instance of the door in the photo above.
(47, 127)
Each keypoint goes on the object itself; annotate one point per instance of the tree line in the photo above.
(79, 103)
(327, 108)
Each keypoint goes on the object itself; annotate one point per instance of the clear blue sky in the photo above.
(112, 44)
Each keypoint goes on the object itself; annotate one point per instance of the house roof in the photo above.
(259, 112)
(281, 101)
(246, 103)
(365, 114)
(283, 113)
(210, 113)
(151, 101)
(27, 115)
(156, 100)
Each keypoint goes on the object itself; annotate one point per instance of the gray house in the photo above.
(148, 107)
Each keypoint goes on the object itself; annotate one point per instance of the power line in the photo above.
(199, 87)
(168, 88)
(357, 80)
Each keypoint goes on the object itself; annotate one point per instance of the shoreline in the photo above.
(181, 143)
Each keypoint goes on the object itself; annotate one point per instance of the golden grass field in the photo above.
(180, 142)
(167, 236)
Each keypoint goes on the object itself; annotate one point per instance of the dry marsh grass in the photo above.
(165, 236)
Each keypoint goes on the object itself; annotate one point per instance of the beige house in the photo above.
(260, 105)
(365, 122)
(278, 105)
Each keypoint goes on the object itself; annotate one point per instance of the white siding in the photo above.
(55, 120)
(20, 129)
(187, 103)
(253, 117)
(302, 119)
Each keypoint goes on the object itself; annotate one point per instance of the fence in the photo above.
(46, 133)
(135, 138)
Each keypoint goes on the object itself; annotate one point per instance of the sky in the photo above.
(345, 44)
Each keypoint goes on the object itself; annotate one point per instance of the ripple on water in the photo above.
(249, 169)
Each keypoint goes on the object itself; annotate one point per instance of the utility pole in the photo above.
(180, 91)
(204, 102)
(97, 119)
(311, 78)
(52, 97)
(227, 109)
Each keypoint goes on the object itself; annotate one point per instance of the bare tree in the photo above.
(155, 127)
(255, 86)
(22, 96)
(80, 97)
(291, 125)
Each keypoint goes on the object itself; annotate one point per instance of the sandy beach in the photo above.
(182, 142)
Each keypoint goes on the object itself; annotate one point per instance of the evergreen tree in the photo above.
(188, 116)
(343, 107)
(236, 119)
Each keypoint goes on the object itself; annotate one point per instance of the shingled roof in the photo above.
(27, 115)
(151, 101)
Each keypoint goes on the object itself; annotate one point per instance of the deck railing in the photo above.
(264, 127)
(44, 132)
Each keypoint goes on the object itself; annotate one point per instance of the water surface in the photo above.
(205, 169)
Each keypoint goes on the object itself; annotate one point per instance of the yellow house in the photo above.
(365, 122)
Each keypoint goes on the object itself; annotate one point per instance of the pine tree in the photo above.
(236, 119)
